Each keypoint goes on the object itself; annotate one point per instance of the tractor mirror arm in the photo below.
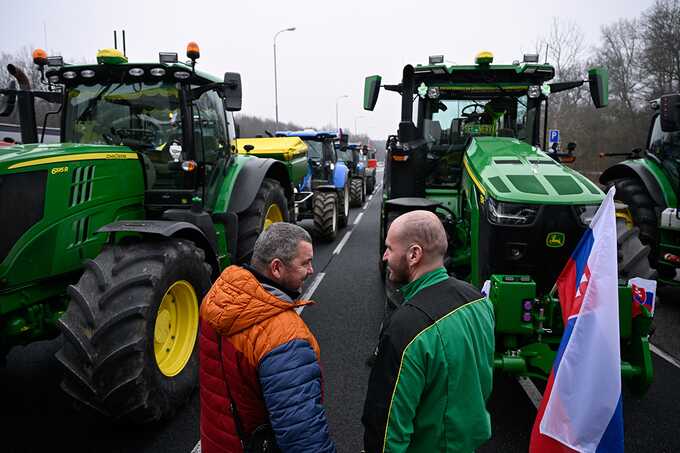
(557, 87)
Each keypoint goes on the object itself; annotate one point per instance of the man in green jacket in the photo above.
(433, 371)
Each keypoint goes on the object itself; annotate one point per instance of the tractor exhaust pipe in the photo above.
(29, 133)
(20, 75)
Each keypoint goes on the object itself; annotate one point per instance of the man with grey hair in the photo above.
(260, 373)
(433, 368)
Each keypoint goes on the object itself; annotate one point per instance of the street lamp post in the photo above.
(337, 116)
(276, 85)
(356, 129)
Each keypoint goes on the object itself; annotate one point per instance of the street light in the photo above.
(356, 129)
(276, 85)
(337, 121)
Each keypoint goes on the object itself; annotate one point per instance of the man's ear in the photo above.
(414, 254)
(275, 268)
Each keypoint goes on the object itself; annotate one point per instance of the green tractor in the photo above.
(113, 236)
(469, 149)
(649, 184)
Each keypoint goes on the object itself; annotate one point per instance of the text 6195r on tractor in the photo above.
(468, 148)
(113, 236)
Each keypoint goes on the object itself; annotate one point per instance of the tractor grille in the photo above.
(81, 185)
(22, 201)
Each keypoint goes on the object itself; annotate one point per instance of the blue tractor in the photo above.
(355, 159)
(324, 194)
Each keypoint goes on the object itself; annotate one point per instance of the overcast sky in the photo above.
(335, 46)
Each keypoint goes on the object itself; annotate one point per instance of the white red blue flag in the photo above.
(582, 408)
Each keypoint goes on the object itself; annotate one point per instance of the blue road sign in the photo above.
(553, 136)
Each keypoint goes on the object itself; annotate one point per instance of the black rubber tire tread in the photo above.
(251, 221)
(632, 253)
(356, 189)
(343, 217)
(326, 215)
(632, 192)
(108, 330)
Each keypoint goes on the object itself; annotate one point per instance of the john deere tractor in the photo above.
(113, 236)
(649, 184)
(470, 148)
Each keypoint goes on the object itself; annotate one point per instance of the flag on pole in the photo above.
(581, 409)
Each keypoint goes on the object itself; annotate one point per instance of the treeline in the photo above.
(642, 55)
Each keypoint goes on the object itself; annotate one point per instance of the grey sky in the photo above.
(335, 46)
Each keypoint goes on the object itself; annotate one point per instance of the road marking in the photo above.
(531, 390)
(664, 355)
(197, 448)
(370, 198)
(342, 243)
(358, 219)
(310, 291)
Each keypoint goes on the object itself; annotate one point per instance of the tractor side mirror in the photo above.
(670, 112)
(598, 81)
(371, 91)
(232, 91)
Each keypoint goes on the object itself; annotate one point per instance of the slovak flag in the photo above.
(582, 408)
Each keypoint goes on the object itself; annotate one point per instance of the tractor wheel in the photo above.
(343, 204)
(129, 333)
(269, 206)
(326, 215)
(641, 206)
(632, 254)
(370, 184)
(356, 192)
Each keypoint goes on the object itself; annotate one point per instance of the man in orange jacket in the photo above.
(261, 386)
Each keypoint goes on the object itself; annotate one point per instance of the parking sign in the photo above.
(553, 136)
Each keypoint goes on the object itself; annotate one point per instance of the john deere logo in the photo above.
(555, 239)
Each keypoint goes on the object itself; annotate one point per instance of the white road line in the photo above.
(197, 447)
(310, 291)
(358, 219)
(342, 243)
(531, 390)
(370, 198)
(664, 355)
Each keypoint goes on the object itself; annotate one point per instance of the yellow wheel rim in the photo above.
(176, 328)
(273, 215)
(627, 216)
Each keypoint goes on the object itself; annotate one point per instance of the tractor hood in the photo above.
(17, 157)
(513, 171)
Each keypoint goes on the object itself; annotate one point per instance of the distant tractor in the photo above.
(113, 236)
(355, 160)
(649, 184)
(469, 149)
(328, 181)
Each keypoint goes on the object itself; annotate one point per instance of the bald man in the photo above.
(433, 371)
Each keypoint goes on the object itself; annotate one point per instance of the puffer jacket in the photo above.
(269, 363)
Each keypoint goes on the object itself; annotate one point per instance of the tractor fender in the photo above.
(340, 175)
(631, 168)
(250, 179)
(325, 188)
(167, 229)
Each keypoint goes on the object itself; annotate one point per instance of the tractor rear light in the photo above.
(189, 166)
(182, 75)
(671, 258)
(400, 158)
(69, 75)
(157, 72)
(137, 72)
(87, 73)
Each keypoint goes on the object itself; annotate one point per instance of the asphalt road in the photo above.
(36, 416)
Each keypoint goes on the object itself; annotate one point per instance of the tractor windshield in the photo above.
(452, 121)
(142, 116)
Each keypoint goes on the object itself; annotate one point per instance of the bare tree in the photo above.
(661, 32)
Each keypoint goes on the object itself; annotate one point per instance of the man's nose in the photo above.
(384, 257)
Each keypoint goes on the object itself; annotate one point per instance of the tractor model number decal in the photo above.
(555, 239)
(116, 156)
(58, 170)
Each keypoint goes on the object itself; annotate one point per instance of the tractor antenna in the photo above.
(115, 40)
(124, 44)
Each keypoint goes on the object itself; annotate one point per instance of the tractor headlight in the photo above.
(433, 92)
(534, 91)
(585, 213)
(501, 213)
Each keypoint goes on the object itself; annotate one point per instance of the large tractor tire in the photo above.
(632, 253)
(326, 215)
(269, 206)
(641, 207)
(129, 333)
(357, 193)
(343, 205)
